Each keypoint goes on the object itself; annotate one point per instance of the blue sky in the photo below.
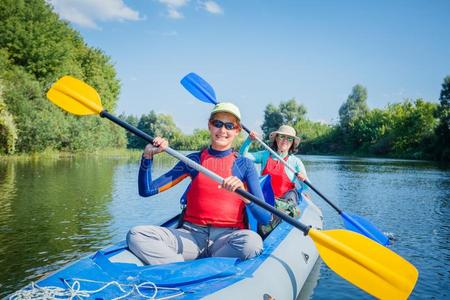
(258, 52)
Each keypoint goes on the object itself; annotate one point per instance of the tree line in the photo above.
(409, 129)
(36, 48)
(414, 129)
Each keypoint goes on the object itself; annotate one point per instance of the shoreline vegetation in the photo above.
(127, 155)
(164, 159)
(37, 48)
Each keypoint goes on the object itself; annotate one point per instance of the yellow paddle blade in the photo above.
(75, 96)
(365, 263)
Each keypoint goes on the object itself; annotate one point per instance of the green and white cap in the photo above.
(228, 108)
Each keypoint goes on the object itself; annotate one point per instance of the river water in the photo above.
(54, 211)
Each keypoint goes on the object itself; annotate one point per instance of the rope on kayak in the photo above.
(74, 291)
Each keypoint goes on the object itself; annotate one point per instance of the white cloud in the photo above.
(212, 7)
(86, 12)
(174, 14)
(173, 8)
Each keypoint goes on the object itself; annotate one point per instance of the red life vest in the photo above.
(278, 178)
(206, 204)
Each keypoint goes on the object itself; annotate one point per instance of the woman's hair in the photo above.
(274, 146)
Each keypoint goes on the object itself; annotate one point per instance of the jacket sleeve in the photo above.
(252, 181)
(299, 167)
(149, 187)
(256, 157)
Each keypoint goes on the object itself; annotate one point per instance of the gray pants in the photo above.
(156, 245)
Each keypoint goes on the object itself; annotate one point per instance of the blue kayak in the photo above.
(115, 273)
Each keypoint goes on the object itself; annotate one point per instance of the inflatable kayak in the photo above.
(115, 273)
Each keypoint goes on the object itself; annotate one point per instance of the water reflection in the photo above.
(53, 211)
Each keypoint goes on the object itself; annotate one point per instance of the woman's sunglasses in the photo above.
(220, 124)
(285, 137)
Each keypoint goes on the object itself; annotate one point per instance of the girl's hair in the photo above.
(274, 146)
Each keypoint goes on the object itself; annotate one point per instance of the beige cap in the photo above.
(227, 107)
(285, 130)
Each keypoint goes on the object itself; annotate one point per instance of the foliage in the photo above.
(309, 130)
(272, 120)
(442, 132)
(354, 107)
(292, 112)
(403, 129)
(35, 37)
(198, 140)
(409, 129)
(412, 123)
(8, 131)
(155, 125)
(36, 48)
(287, 113)
(163, 125)
(132, 140)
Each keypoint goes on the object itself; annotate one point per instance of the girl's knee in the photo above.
(141, 233)
(250, 244)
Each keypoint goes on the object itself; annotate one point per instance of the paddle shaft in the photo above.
(210, 174)
(293, 171)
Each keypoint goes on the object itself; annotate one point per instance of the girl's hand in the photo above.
(158, 146)
(300, 176)
(253, 135)
(233, 183)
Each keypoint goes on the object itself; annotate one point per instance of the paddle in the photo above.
(364, 263)
(200, 89)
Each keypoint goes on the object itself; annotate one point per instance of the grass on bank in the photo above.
(113, 153)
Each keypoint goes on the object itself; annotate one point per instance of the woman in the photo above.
(284, 142)
(214, 217)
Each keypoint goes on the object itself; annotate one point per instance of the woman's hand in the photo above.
(300, 176)
(233, 183)
(158, 146)
(253, 135)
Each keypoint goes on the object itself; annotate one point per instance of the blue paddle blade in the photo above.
(360, 225)
(199, 88)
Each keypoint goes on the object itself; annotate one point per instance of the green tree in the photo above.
(292, 112)
(36, 48)
(165, 127)
(35, 37)
(196, 141)
(368, 129)
(132, 139)
(413, 124)
(442, 131)
(288, 113)
(272, 120)
(8, 131)
(309, 130)
(146, 125)
(355, 106)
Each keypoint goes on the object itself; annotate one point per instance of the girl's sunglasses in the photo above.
(285, 137)
(220, 124)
